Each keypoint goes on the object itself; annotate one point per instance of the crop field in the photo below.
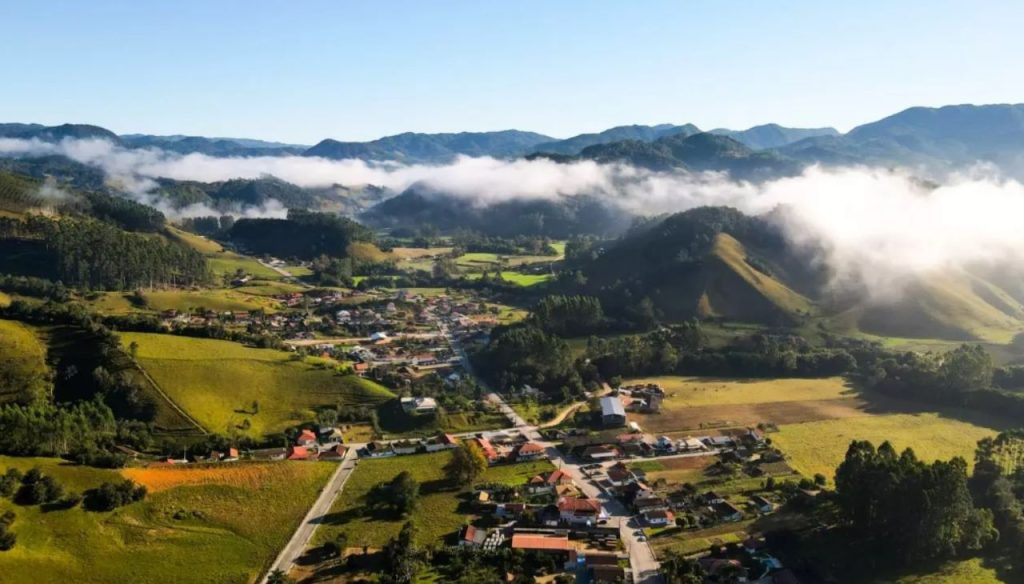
(225, 530)
(818, 447)
(437, 513)
(216, 382)
(267, 288)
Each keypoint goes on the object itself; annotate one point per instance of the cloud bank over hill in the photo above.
(875, 225)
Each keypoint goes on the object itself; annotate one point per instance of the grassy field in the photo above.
(5, 300)
(228, 263)
(268, 288)
(963, 572)
(218, 300)
(516, 278)
(214, 525)
(22, 358)
(437, 513)
(699, 403)
(217, 381)
(818, 447)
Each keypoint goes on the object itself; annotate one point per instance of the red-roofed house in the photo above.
(490, 452)
(336, 453)
(306, 438)
(547, 483)
(530, 451)
(576, 510)
(298, 453)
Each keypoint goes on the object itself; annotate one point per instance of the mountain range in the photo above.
(929, 139)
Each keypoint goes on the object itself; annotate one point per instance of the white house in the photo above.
(419, 405)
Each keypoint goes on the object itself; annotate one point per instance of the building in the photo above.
(336, 453)
(761, 504)
(440, 442)
(299, 453)
(576, 511)
(726, 511)
(419, 405)
(378, 450)
(405, 447)
(490, 452)
(530, 451)
(659, 518)
(600, 452)
(306, 438)
(548, 483)
(557, 545)
(613, 414)
(472, 536)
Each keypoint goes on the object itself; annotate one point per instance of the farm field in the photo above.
(216, 382)
(267, 288)
(225, 524)
(818, 447)
(436, 515)
(683, 392)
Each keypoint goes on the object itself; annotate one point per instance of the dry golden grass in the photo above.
(248, 475)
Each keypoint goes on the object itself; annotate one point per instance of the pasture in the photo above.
(225, 523)
(216, 382)
(5, 300)
(23, 367)
(819, 447)
(440, 510)
(702, 403)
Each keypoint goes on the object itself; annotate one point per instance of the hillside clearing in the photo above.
(217, 382)
(22, 361)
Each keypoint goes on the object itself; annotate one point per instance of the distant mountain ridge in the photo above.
(412, 147)
(773, 135)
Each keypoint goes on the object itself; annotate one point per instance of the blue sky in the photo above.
(302, 71)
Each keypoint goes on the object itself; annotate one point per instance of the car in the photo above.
(641, 538)
(639, 533)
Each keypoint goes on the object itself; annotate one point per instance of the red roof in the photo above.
(531, 541)
(448, 439)
(531, 448)
(232, 453)
(576, 505)
(307, 436)
(557, 477)
(489, 451)
(360, 367)
(298, 453)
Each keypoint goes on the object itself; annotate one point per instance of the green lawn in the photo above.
(437, 513)
(228, 263)
(217, 300)
(209, 529)
(217, 381)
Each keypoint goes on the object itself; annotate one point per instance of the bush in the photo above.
(110, 496)
(7, 539)
(9, 482)
(7, 518)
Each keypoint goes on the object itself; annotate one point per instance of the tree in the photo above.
(7, 539)
(133, 350)
(404, 491)
(279, 577)
(402, 557)
(680, 570)
(467, 463)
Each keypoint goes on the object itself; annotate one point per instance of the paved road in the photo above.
(287, 275)
(302, 536)
(357, 340)
(641, 557)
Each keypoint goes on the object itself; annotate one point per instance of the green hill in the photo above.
(216, 382)
(23, 369)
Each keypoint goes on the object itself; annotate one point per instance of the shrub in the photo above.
(110, 496)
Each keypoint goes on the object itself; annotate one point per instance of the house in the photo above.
(306, 438)
(336, 453)
(761, 504)
(665, 444)
(530, 451)
(490, 452)
(613, 414)
(547, 543)
(726, 511)
(440, 442)
(604, 569)
(754, 437)
(647, 501)
(546, 483)
(405, 447)
(574, 510)
(231, 455)
(712, 498)
(300, 453)
(379, 450)
(472, 536)
(269, 454)
(600, 452)
(379, 338)
(719, 441)
(509, 510)
(424, 359)
(329, 434)
(361, 369)
(659, 518)
(419, 405)
(689, 444)
(619, 474)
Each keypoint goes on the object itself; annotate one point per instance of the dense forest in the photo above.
(95, 255)
(303, 235)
